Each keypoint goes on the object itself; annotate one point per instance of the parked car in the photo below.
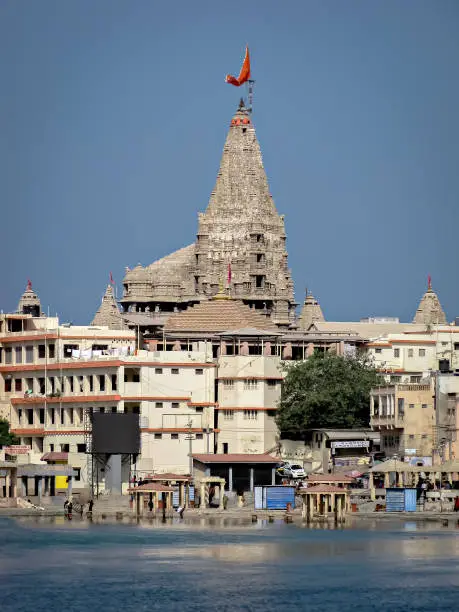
(291, 470)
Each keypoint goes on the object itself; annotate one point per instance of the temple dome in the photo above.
(430, 311)
(29, 302)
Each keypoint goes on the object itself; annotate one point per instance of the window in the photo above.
(225, 448)
(174, 370)
(51, 448)
(199, 371)
(174, 436)
(62, 416)
(228, 415)
(114, 382)
(424, 436)
(114, 409)
(41, 416)
(272, 382)
(29, 354)
(228, 383)
(8, 355)
(70, 379)
(158, 436)
(410, 352)
(250, 385)
(422, 352)
(411, 436)
(378, 351)
(102, 382)
(271, 413)
(8, 382)
(396, 353)
(415, 379)
(410, 405)
(30, 416)
(158, 370)
(41, 385)
(424, 405)
(53, 416)
(68, 348)
(29, 385)
(81, 448)
(199, 409)
(71, 418)
(158, 404)
(18, 384)
(91, 383)
(41, 351)
(51, 351)
(52, 384)
(199, 436)
(80, 384)
(19, 354)
(175, 405)
(65, 448)
(250, 415)
(76, 474)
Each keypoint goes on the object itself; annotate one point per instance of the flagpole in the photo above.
(250, 83)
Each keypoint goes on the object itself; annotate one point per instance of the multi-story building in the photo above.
(418, 421)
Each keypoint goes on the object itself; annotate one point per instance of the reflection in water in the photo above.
(229, 566)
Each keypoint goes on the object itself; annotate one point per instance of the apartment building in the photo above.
(418, 421)
(248, 392)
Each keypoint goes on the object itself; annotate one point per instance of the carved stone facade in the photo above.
(240, 243)
(430, 311)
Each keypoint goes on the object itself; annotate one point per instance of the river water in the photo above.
(56, 565)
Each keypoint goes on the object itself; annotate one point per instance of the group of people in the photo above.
(69, 507)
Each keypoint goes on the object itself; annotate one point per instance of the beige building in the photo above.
(418, 421)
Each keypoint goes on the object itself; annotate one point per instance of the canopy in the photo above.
(392, 465)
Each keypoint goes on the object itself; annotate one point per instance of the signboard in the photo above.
(351, 444)
(20, 449)
(410, 451)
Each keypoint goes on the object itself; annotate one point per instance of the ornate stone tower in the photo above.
(429, 311)
(29, 302)
(310, 313)
(108, 313)
(240, 243)
(241, 237)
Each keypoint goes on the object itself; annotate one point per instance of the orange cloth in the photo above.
(244, 75)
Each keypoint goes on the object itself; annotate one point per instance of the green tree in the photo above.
(6, 437)
(326, 390)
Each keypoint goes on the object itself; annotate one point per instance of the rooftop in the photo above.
(236, 458)
(219, 316)
(150, 487)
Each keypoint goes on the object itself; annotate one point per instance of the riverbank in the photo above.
(242, 516)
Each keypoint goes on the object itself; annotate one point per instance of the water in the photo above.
(56, 565)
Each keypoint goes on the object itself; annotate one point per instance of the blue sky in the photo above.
(113, 116)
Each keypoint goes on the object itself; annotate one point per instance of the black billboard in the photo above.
(115, 433)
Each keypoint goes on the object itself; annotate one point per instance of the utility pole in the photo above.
(190, 442)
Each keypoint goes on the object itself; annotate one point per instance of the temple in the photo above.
(430, 311)
(240, 244)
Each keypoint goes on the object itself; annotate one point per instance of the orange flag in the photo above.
(244, 75)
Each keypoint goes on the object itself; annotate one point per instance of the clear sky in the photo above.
(113, 116)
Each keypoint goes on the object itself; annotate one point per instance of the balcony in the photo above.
(387, 421)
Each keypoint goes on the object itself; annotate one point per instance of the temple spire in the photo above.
(29, 302)
(430, 311)
(108, 314)
(311, 312)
